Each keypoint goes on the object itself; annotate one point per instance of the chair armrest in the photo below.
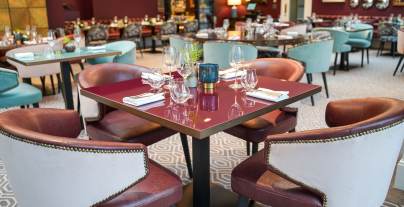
(8, 79)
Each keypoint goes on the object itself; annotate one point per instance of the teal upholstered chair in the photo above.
(13, 93)
(218, 52)
(340, 39)
(362, 39)
(316, 57)
(127, 56)
(178, 42)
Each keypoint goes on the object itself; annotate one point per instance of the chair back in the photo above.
(316, 56)
(350, 164)
(178, 42)
(35, 70)
(366, 33)
(301, 29)
(191, 26)
(47, 166)
(168, 28)
(279, 68)
(127, 56)
(102, 74)
(400, 42)
(132, 31)
(340, 37)
(97, 33)
(8, 79)
(219, 52)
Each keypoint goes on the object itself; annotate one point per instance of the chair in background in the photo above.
(332, 167)
(387, 35)
(97, 35)
(316, 57)
(13, 93)
(361, 39)
(191, 26)
(400, 50)
(105, 123)
(127, 56)
(340, 39)
(179, 42)
(41, 71)
(166, 30)
(301, 29)
(133, 32)
(276, 122)
(48, 166)
(218, 52)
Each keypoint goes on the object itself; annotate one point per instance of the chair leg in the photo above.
(325, 83)
(363, 53)
(81, 65)
(335, 62)
(367, 54)
(309, 81)
(402, 68)
(254, 148)
(243, 201)
(59, 82)
(347, 60)
(398, 65)
(53, 84)
(35, 105)
(247, 143)
(185, 147)
(22, 107)
(78, 103)
(43, 84)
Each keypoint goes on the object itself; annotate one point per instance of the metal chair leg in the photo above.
(243, 201)
(335, 62)
(35, 105)
(398, 65)
(254, 148)
(325, 83)
(309, 81)
(247, 143)
(367, 54)
(187, 155)
(363, 53)
(53, 85)
(43, 84)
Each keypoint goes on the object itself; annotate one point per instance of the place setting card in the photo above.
(144, 99)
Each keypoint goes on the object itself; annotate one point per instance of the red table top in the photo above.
(206, 113)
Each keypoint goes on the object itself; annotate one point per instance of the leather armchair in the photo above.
(108, 124)
(279, 121)
(48, 166)
(349, 164)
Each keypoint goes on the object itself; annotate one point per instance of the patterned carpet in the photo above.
(226, 151)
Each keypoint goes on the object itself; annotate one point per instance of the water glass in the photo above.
(77, 38)
(226, 24)
(48, 53)
(51, 38)
(249, 79)
(179, 92)
(236, 57)
(157, 81)
(169, 57)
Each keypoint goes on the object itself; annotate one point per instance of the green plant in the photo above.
(195, 52)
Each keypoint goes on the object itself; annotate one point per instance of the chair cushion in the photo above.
(388, 38)
(359, 43)
(122, 126)
(256, 130)
(161, 187)
(253, 179)
(344, 48)
(23, 94)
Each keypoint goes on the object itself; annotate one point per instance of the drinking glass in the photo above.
(28, 31)
(179, 92)
(236, 58)
(183, 66)
(249, 79)
(51, 39)
(157, 81)
(169, 58)
(235, 109)
(226, 24)
(77, 38)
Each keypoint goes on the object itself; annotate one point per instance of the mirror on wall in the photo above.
(367, 4)
(382, 4)
(353, 3)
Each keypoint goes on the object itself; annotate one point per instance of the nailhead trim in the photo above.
(81, 149)
(316, 141)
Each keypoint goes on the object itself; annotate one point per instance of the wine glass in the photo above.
(249, 79)
(51, 39)
(156, 81)
(77, 38)
(236, 58)
(169, 58)
(226, 24)
(235, 109)
(28, 31)
(182, 65)
(179, 92)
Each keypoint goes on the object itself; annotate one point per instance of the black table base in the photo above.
(67, 85)
(201, 168)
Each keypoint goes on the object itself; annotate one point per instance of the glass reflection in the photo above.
(209, 101)
(235, 109)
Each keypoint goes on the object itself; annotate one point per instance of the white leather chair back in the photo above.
(301, 29)
(351, 171)
(36, 70)
(48, 175)
(400, 41)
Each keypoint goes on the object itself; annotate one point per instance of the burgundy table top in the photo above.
(206, 113)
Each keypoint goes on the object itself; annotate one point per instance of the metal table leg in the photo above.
(67, 85)
(201, 179)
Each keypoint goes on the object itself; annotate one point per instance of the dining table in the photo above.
(64, 58)
(206, 113)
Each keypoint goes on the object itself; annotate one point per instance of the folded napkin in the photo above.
(143, 99)
(268, 94)
(293, 34)
(202, 35)
(24, 55)
(230, 73)
(152, 76)
(101, 47)
(284, 37)
(236, 37)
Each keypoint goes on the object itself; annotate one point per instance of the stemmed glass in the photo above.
(183, 66)
(34, 33)
(179, 92)
(235, 109)
(236, 58)
(77, 38)
(156, 81)
(169, 58)
(249, 79)
(51, 41)
(226, 24)
(28, 31)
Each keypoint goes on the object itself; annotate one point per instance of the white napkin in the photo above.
(152, 76)
(24, 55)
(293, 34)
(230, 73)
(202, 35)
(234, 38)
(269, 95)
(143, 99)
(101, 47)
(284, 37)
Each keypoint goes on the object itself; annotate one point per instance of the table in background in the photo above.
(64, 59)
(205, 115)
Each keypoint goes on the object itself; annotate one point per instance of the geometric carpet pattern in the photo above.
(226, 151)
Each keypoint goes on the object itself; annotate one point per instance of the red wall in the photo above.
(345, 9)
(131, 8)
(223, 11)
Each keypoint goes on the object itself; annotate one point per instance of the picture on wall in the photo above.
(333, 1)
(398, 2)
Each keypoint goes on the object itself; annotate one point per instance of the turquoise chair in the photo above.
(127, 56)
(361, 39)
(13, 93)
(218, 52)
(316, 58)
(340, 39)
(178, 42)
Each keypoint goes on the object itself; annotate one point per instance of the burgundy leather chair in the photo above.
(48, 166)
(349, 164)
(106, 123)
(275, 122)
